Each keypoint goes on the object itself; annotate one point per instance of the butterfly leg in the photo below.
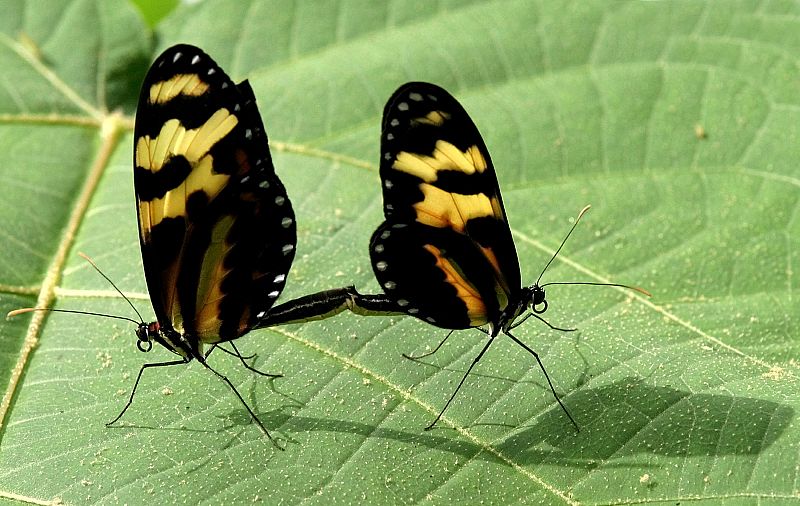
(210, 349)
(242, 358)
(214, 346)
(241, 399)
(517, 324)
(475, 361)
(136, 385)
(246, 365)
(428, 354)
(547, 377)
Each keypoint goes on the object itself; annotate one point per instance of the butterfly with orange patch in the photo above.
(444, 253)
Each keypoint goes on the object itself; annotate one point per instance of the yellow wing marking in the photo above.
(173, 204)
(174, 139)
(440, 208)
(192, 144)
(180, 84)
(445, 156)
(435, 118)
(444, 209)
(144, 220)
(497, 209)
(173, 303)
(476, 309)
(212, 272)
(478, 161)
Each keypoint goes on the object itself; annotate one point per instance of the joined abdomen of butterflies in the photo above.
(444, 253)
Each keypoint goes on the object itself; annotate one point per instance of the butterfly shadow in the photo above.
(414, 436)
(237, 418)
(630, 417)
(625, 418)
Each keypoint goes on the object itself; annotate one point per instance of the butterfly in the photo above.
(216, 227)
(444, 253)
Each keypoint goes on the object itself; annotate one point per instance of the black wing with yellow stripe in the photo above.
(445, 252)
(217, 229)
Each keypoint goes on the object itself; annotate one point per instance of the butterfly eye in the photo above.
(143, 334)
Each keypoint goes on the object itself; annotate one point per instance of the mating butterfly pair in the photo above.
(218, 234)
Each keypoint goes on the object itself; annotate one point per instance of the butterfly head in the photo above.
(146, 333)
(535, 299)
(166, 337)
(531, 298)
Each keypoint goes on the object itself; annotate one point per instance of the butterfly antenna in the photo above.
(629, 287)
(16, 312)
(91, 262)
(580, 215)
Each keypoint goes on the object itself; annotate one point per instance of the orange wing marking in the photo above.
(476, 309)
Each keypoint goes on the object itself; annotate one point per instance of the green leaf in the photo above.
(155, 10)
(677, 121)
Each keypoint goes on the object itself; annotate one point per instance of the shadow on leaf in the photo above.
(630, 417)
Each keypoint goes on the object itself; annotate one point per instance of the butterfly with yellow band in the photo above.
(444, 253)
(216, 227)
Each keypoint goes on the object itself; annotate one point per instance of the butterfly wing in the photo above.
(217, 229)
(445, 252)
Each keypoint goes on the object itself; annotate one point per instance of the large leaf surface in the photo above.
(677, 121)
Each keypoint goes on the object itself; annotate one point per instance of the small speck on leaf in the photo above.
(104, 358)
(647, 480)
(775, 373)
(700, 132)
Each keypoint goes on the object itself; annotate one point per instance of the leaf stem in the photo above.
(110, 133)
